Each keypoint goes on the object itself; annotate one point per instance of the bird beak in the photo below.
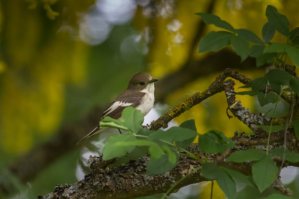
(153, 80)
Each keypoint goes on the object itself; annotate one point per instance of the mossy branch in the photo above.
(216, 87)
(130, 180)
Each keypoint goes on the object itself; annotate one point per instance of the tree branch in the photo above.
(130, 180)
(216, 87)
(29, 165)
(66, 138)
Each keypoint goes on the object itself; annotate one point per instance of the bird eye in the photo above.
(142, 83)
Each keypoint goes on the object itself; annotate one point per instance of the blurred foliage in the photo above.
(49, 76)
(171, 46)
(38, 63)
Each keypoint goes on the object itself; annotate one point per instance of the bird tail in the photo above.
(89, 135)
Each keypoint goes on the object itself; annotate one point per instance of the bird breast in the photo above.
(148, 100)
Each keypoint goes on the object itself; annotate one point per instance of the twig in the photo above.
(130, 180)
(288, 121)
(212, 189)
(251, 120)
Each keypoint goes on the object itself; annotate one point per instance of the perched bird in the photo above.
(139, 94)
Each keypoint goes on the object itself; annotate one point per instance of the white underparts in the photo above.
(148, 100)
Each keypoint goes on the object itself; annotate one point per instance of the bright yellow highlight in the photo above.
(174, 38)
(206, 191)
(167, 56)
(211, 113)
(2, 67)
(33, 85)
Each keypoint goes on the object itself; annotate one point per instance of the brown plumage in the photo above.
(139, 89)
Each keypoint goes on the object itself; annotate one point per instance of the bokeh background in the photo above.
(63, 61)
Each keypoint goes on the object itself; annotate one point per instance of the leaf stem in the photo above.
(268, 139)
(286, 130)
(270, 131)
(212, 188)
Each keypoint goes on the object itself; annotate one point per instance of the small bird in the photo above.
(139, 94)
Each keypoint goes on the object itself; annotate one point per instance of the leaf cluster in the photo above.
(268, 90)
(163, 147)
(246, 43)
(278, 80)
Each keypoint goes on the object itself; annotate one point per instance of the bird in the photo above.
(139, 94)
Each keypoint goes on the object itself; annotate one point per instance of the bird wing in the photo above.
(125, 99)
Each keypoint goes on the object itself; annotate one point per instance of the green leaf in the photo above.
(239, 177)
(276, 48)
(215, 20)
(258, 84)
(268, 31)
(296, 128)
(280, 21)
(264, 173)
(135, 154)
(240, 46)
(274, 110)
(210, 171)
(214, 41)
(225, 182)
(227, 185)
(179, 134)
(256, 50)
(273, 128)
(159, 166)
(249, 192)
(112, 123)
(246, 156)
(132, 118)
(174, 134)
(277, 76)
(172, 156)
(266, 98)
(294, 84)
(114, 148)
(290, 156)
(293, 53)
(155, 149)
(294, 36)
(265, 58)
(278, 196)
(214, 142)
(248, 35)
(276, 87)
(189, 124)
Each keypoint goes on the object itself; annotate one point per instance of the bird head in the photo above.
(141, 81)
